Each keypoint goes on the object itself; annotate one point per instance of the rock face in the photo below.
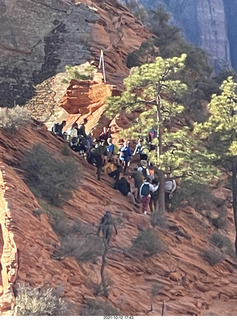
(208, 24)
(39, 38)
(177, 275)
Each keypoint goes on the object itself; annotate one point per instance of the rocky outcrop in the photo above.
(177, 276)
(39, 38)
(208, 24)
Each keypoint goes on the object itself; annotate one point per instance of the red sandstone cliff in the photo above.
(188, 284)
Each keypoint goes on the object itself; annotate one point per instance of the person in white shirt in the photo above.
(145, 194)
(170, 186)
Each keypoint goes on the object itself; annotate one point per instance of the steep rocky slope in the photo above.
(186, 283)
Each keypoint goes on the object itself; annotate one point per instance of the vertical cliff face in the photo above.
(38, 39)
(231, 23)
(209, 24)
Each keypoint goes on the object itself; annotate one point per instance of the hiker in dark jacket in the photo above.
(105, 135)
(116, 173)
(123, 185)
(58, 128)
(138, 179)
(99, 162)
(81, 130)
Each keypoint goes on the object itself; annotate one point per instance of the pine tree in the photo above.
(153, 92)
(220, 129)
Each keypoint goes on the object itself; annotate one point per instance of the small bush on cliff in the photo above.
(11, 119)
(50, 178)
(212, 256)
(38, 302)
(83, 72)
(222, 243)
(83, 248)
(98, 308)
(149, 242)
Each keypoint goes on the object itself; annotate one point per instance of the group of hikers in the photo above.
(141, 184)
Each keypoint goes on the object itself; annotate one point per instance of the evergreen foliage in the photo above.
(220, 129)
(154, 94)
(83, 72)
(169, 42)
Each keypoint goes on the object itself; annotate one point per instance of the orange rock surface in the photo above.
(186, 283)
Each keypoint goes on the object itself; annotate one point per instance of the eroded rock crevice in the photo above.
(8, 262)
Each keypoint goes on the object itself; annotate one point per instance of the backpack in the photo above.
(145, 191)
(56, 128)
(144, 172)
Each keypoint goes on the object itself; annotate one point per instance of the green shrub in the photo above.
(212, 256)
(54, 213)
(223, 243)
(85, 248)
(221, 221)
(196, 195)
(38, 302)
(159, 220)
(11, 119)
(50, 178)
(156, 289)
(147, 241)
(82, 72)
(98, 308)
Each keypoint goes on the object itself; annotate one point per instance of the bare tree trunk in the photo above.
(159, 131)
(163, 312)
(102, 274)
(161, 210)
(234, 194)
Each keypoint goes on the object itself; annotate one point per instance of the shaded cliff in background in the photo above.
(38, 39)
(209, 24)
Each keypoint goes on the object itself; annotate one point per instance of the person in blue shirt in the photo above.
(125, 155)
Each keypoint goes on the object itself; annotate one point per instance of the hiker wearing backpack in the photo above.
(145, 194)
(125, 155)
(97, 157)
(106, 226)
(105, 135)
(58, 129)
(138, 180)
(143, 168)
(139, 149)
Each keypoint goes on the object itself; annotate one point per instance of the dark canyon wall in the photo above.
(209, 24)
